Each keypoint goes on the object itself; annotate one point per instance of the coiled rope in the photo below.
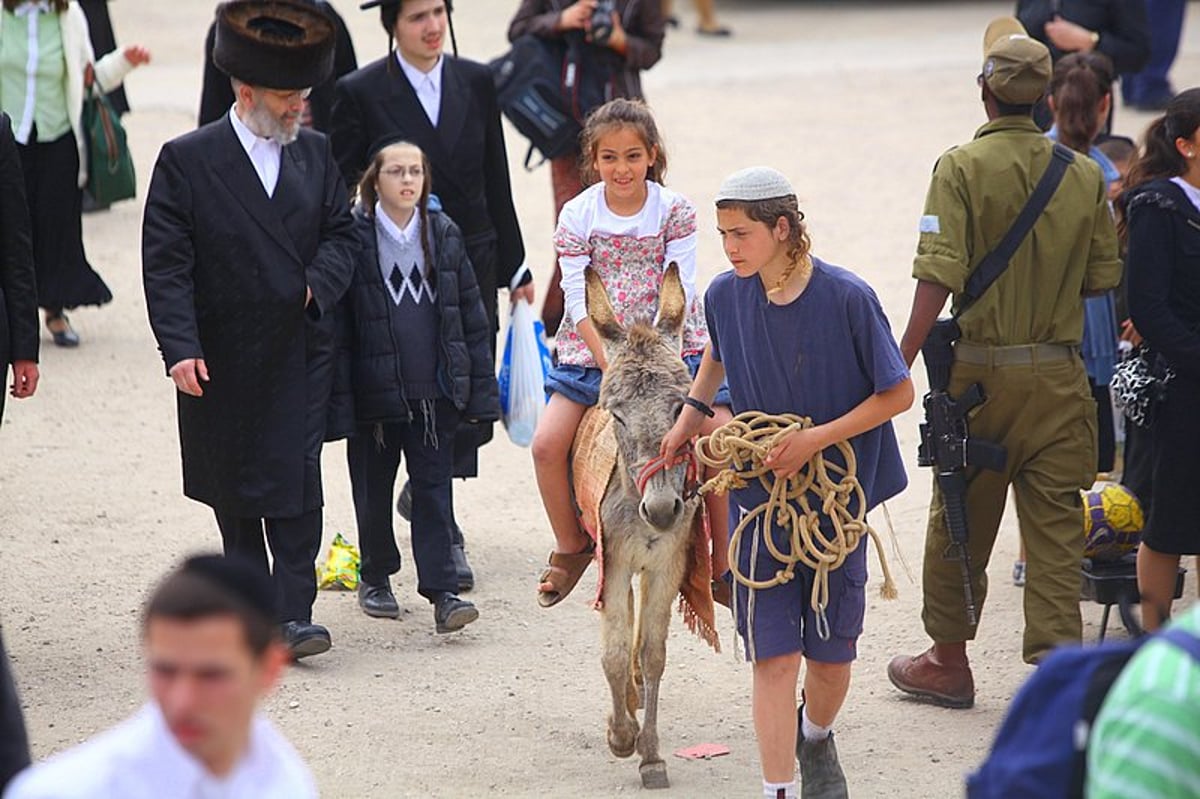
(739, 448)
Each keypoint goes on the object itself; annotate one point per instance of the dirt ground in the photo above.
(854, 101)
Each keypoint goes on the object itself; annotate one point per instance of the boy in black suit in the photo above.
(447, 107)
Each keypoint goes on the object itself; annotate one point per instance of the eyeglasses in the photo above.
(397, 172)
(289, 97)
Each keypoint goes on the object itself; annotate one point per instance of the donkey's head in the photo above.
(643, 388)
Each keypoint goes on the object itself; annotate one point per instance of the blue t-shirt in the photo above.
(819, 356)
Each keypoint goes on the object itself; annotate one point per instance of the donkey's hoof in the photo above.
(623, 743)
(654, 775)
(621, 748)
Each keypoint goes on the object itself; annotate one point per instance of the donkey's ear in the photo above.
(672, 302)
(599, 309)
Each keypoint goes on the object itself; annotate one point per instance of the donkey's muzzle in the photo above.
(661, 512)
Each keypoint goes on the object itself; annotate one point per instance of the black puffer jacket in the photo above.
(369, 386)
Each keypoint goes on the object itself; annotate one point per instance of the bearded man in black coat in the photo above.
(247, 247)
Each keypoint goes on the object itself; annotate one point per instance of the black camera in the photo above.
(602, 21)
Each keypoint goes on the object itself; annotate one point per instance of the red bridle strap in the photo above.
(683, 455)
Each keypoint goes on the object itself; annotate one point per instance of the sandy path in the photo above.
(854, 102)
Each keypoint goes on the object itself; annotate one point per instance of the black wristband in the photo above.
(700, 406)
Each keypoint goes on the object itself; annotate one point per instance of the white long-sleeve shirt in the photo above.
(140, 759)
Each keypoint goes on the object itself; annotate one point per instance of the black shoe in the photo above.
(66, 336)
(305, 639)
(404, 502)
(378, 600)
(466, 577)
(451, 614)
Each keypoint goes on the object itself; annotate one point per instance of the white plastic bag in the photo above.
(522, 375)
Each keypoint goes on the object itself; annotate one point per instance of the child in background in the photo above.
(794, 334)
(628, 227)
(419, 362)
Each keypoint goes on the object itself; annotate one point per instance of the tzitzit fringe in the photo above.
(738, 448)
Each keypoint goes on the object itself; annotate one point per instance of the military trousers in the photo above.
(1044, 415)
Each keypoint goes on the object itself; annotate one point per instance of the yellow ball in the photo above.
(1112, 521)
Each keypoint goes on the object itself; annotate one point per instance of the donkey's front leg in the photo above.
(616, 625)
(658, 595)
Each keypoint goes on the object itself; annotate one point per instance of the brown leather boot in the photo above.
(945, 681)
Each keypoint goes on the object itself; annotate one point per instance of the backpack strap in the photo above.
(1185, 641)
(995, 262)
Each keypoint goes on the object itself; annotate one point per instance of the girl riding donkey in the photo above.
(419, 362)
(627, 227)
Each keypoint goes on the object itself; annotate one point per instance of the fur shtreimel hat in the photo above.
(275, 44)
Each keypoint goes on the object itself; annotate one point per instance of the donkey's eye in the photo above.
(617, 418)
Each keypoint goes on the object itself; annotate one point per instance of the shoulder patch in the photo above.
(930, 224)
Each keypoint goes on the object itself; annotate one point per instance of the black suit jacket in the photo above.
(225, 269)
(216, 93)
(14, 746)
(466, 150)
(18, 287)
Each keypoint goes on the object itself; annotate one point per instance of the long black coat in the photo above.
(14, 745)
(371, 372)
(466, 151)
(1164, 300)
(18, 286)
(216, 92)
(225, 269)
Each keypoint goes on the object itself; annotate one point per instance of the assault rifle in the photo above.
(947, 446)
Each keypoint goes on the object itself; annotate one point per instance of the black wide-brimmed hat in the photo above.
(276, 44)
(386, 3)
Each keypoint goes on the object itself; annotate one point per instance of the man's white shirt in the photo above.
(427, 85)
(264, 154)
(140, 759)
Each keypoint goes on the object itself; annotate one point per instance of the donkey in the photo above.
(645, 532)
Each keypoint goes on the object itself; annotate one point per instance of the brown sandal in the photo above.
(563, 572)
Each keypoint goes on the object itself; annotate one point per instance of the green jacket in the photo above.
(976, 192)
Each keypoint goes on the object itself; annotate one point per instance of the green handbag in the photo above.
(110, 165)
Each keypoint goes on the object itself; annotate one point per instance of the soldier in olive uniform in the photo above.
(1020, 341)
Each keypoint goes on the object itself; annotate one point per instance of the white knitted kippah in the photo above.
(755, 183)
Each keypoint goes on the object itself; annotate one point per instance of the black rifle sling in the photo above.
(995, 262)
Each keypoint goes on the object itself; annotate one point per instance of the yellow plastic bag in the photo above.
(340, 572)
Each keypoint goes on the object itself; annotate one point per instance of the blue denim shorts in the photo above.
(581, 384)
(780, 620)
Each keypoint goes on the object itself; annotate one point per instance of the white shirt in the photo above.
(264, 154)
(1191, 191)
(140, 759)
(427, 85)
(587, 214)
